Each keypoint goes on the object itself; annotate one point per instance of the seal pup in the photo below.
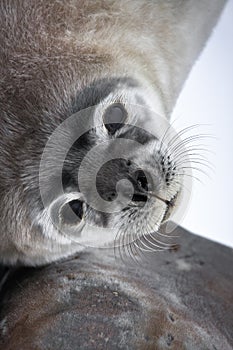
(127, 60)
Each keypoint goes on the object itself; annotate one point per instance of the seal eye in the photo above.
(114, 117)
(75, 216)
(77, 207)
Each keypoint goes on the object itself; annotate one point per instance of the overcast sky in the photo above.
(207, 98)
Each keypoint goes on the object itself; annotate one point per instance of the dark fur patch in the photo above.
(98, 90)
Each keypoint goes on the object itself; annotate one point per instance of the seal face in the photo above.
(118, 180)
(102, 176)
(87, 155)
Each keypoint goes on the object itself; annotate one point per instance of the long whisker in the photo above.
(181, 153)
(179, 134)
(183, 143)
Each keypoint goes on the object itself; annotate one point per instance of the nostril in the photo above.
(111, 196)
(142, 184)
(141, 179)
(139, 198)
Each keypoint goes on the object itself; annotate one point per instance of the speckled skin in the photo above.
(179, 300)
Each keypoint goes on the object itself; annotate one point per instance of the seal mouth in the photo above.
(144, 194)
(170, 204)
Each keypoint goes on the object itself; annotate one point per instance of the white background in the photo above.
(207, 98)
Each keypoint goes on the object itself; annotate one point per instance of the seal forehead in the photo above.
(99, 90)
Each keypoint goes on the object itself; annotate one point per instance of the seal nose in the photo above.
(116, 170)
(141, 186)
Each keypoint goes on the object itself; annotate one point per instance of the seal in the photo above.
(86, 93)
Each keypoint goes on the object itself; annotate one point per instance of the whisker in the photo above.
(180, 133)
(183, 143)
(152, 232)
(181, 163)
(196, 149)
(191, 176)
(176, 139)
(165, 135)
(166, 236)
(159, 245)
(196, 169)
(191, 159)
(148, 249)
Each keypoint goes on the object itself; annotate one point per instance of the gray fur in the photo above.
(58, 57)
